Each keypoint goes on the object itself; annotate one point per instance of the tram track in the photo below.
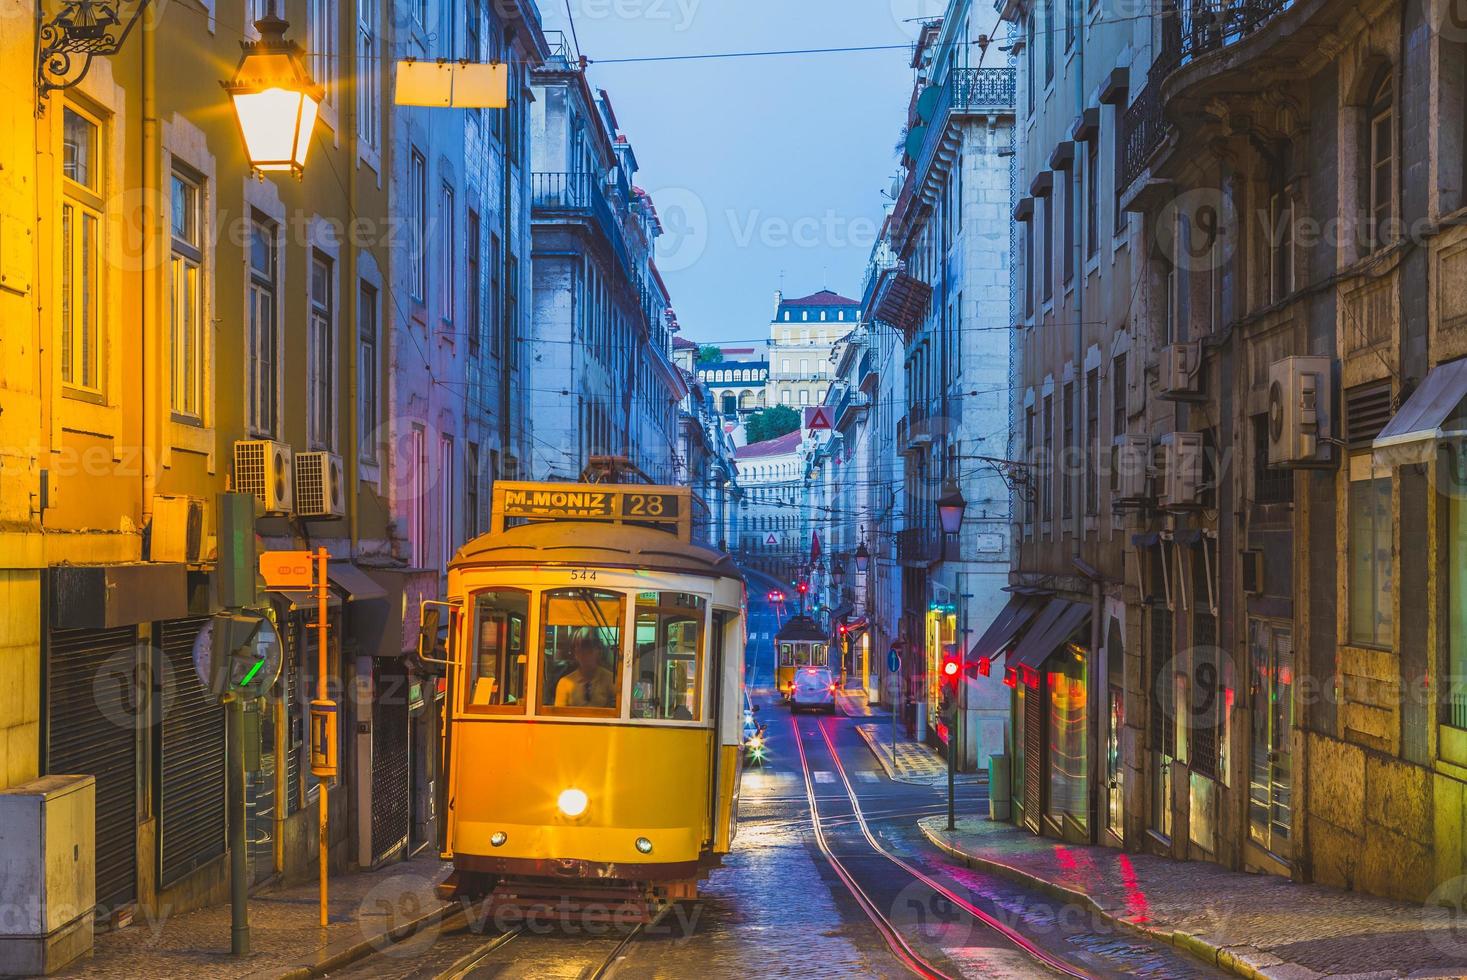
(503, 950)
(889, 931)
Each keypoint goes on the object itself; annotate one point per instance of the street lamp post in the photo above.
(950, 507)
(274, 98)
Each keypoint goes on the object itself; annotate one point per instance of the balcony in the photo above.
(965, 91)
(918, 546)
(560, 195)
(1190, 31)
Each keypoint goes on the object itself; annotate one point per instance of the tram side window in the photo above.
(499, 663)
(786, 654)
(669, 656)
(581, 672)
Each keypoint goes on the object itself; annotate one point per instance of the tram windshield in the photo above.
(581, 672)
(669, 656)
(499, 664)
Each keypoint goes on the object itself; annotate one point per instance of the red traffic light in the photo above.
(949, 673)
(803, 587)
(844, 629)
(950, 667)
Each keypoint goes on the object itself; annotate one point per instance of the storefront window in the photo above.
(1069, 790)
(499, 665)
(581, 662)
(669, 656)
(1452, 465)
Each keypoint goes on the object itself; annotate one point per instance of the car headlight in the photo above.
(572, 802)
(755, 742)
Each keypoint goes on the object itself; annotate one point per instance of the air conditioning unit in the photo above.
(1180, 471)
(319, 485)
(1300, 411)
(262, 468)
(177, 531)
(1181, 371)
(1133, 469)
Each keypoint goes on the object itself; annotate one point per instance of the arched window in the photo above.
(730, 404)
(1380, 160)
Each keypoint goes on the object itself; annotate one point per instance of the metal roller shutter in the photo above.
(295, 713)
(1033, 754)
(191, 772)
(391, 799)
(93, 692)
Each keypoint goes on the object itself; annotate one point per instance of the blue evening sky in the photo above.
(757, 165)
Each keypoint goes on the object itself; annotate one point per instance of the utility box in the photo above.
(48, 878)
(1000, 794)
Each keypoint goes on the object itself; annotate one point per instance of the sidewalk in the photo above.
(915, 763)
(853, 703)
(368, 911)
(1252, 925)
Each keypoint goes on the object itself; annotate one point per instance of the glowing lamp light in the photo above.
(985, 666)
(1010, 677)
(274, 99)
(950, 668)
(572, 802)
(950, 507)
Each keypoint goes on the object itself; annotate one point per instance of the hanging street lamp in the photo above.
(950, 507)
(863, 557)
(274, 98)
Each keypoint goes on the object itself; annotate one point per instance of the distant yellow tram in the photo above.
(801, 643)
(592, 748)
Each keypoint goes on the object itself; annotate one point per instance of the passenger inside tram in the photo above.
(590, 685)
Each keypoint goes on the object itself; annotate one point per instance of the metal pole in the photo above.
(952, 762)
(239, 911)
(322, 693)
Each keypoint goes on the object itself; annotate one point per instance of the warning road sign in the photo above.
(817, 418)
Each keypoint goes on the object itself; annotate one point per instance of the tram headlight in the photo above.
(644, 845)
(572, 802)
(498, 838)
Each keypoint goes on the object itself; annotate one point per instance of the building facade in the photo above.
(936, 310)
(738, 386)
(705, 456)
(772, 534)
(801, 336)
(1282, 681)
(603, 382)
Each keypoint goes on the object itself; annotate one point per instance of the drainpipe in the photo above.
(150, 280)
(353, 290)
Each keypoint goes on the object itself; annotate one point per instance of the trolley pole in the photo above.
(239, 910)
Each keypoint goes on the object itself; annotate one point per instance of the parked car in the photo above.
(814, 688)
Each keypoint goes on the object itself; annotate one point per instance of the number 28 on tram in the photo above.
(595, 675)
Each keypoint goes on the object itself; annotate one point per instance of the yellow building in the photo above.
(161, 305)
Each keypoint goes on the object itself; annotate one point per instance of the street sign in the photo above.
(893, 662)
(289, 570)
(771, 541)
(817, 418)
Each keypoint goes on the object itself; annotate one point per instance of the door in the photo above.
(1115, 658)
(391, 793)
(1271, 703)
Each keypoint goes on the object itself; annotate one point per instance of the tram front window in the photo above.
(499, 664)
(669, 656)
(786, 654)
(582, 653)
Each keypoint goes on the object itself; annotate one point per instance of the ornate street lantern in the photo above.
(863, 557)
(950, 507)
(274, 99)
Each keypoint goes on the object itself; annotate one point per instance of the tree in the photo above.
(771, 423)
(710, 354)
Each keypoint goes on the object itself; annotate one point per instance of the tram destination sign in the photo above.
(587, 503)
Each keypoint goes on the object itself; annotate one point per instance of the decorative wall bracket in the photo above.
(80, 31)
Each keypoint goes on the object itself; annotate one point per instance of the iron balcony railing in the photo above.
(582, 194)
(917, 546)
(1190, 29)
(965, 90)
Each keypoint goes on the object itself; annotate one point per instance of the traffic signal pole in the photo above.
(322, 694)
(239, 910)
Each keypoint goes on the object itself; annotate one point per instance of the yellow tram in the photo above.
(592, 747)
(801, 643)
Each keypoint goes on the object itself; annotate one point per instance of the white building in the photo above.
(772, 534)
(801, 336)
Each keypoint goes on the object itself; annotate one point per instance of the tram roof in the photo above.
(801, 629)
(593, 543)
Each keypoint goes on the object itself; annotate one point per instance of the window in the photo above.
(471, 491)
(474, 270)
(1280, 245)
(1067, 445)
(261, 311)
(321, 45)
(1030, 499)
(1271, 484)
(669, 656)
(496, 311)
(1031, 49)
(1072, 22)
(1046, 461)
(81, 252)
(581, 662)
(369, 88)
(418, 215)
(1119, 415)
(185, 297)
(1452, 465)
(499, 666)
(512, 309)
(1029, 263)
(447, 500)
(1046, 230)
(1370, 564)
(1072, 195)
(447, 281)
(417, 479)
(1380, 141)
(1092, 442)
(1092, 195)
(322, 421)
(1049, 40)
(368, 409)
(804, 396)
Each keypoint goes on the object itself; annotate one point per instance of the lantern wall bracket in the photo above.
(81, 31)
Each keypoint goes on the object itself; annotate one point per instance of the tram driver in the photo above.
(590, 684)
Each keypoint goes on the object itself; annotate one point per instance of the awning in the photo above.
(1432, 413)
(1147, 540)
(1005, 626)
(1056, 624)
(354, 583)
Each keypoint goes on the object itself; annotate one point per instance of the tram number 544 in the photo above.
(583, 575)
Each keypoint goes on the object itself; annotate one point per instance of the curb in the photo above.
(334, 958)
(872, 742)
(1232, 959)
